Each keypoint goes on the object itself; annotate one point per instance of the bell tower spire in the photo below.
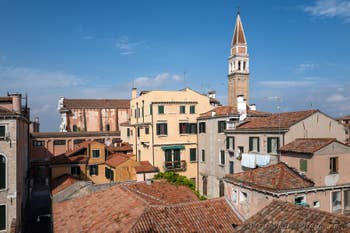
(238, 65)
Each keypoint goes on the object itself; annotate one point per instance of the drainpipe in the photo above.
(197, 180)
(152, 126)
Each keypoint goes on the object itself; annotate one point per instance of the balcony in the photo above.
(175, 166)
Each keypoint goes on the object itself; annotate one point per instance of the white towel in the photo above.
(248, 160)
(262, 160)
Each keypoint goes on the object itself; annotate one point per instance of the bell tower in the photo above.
(238, 66)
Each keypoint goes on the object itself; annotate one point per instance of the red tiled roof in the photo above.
(96, 103)
(62, 182)
(114, 160)
(279, 120)
(162, 192)
(112, 210)
(230, 110)
(213, 215)
(74, 134)
(145, 167)
(63, 159)
(275, 178)
(238, 36)
(307, 145)
(285, 217)
(125, 147)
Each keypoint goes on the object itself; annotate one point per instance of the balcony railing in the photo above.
(175, 166)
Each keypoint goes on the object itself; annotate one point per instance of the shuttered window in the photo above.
(273, 145)
(303, 165)
(193, 154)
(93, 170)
(254, 144)
(162, 129)
(2, 217)
(2, 172)
(160, 109)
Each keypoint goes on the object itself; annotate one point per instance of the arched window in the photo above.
(75, 128)
(244, 66)
(108, 127)
(239, 65)
(3, 175)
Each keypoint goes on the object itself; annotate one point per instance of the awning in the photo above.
(175, 147)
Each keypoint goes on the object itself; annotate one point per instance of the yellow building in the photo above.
(93, 161)
(163, 128)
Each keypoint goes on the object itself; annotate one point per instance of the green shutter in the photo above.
(203, 155)
(112, 175)
(96, 170)
(106, 172)
(2, 217)
(150, 109)
(303, 165)
(227, 143)
(250, 143)
(269, 146)
(193, 155)
(258, 144)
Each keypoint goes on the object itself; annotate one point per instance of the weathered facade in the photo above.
(92, 114)
(164, 126)
(14, 149)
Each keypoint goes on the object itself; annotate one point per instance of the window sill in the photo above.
(333, 173)
(221, 165)
(193, 161)
(162, 135)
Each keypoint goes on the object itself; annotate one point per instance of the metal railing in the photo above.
(175, 165)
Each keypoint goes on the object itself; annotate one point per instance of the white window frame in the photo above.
(331, 200)
(6, 164)
(234, 191)
(5, 230)
(303, 196)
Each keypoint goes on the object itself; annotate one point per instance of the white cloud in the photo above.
(178, 78)
(126, 47)
(286, 84)
(306, 66)
(330, 9)
(336, 98)
(163, 80)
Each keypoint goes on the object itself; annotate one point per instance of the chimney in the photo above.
(212, 94)
(134, 93)
(16, 102)
(241, 107)
(252, 107)
(35, 125)
(60, 103)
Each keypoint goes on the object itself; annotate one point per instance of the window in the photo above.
(3, 175)
(244, 65)
(150, 109)
(221, 126)
(139, 155)
(182, 109)
(2, 131)
(162, 129)
(78, 141)
(203, 155)
(128, 132)
(231, 167)
(254, 144)
(95, 153)
(234, 196)
(243, 197)
(93, 170)
(239, 65)
(59, 142)
(221, 188)
(230, 143)
(108, 127)
(109, 174)
(138, 132)
(193, 154)
(316, 204)
(241, 149)
(347, 199)
(2, 217)
(37, 143)
(201, 127)
(300, 200)
(205, 185)
(147, 130)
(273, 145)
(75, 171)
(222, 157)
(187, 128)
(172, 159)
(303, 165)
(75, 128)
(160, 109)
(333, 165)
(336, 201)
(192, 109)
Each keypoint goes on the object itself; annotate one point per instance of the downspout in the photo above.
(152, 126)
(197, 180)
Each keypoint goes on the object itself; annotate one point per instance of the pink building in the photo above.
(92, 114)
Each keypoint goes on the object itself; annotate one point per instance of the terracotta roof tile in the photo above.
(307, 145)
(74, 134)
(213, 215)
(275, 178)
(125, 147)
(114, 160)
(63, 159)
(62, 182)
(96, 103)
(285, 217)
(145, 167)
(279, 120)
(230, 110)
(162, 192)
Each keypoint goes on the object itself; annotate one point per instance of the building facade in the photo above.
(14, 149)
(164, 127)
(92, 114)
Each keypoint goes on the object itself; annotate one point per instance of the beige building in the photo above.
(14, 149)
(92, 114)
(316, 176)
(163, 128)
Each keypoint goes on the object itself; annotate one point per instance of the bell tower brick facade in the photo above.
(238, 66)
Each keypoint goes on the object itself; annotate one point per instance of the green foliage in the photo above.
(177, 179)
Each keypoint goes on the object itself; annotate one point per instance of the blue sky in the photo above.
(299, 50)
